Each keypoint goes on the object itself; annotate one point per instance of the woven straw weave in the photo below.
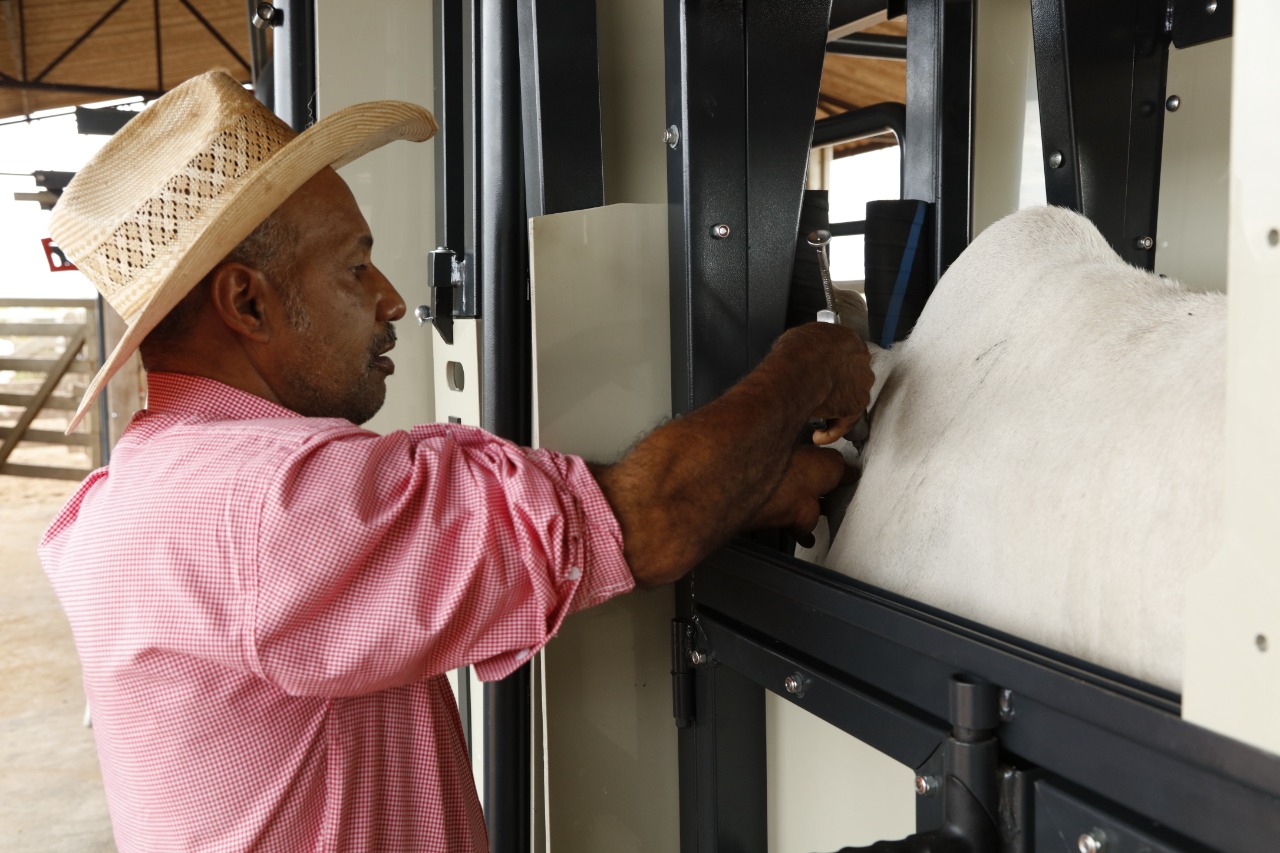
(169, 218)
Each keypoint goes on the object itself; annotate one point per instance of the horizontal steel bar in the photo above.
(861, 124)
(848, 229)
(870, 46)
(900, 732)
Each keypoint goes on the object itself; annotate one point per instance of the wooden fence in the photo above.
(34, 398)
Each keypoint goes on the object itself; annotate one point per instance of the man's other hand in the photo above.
(794, 505)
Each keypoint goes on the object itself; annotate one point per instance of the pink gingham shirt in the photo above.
(265, 604)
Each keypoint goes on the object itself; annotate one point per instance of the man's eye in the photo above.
(360, 269)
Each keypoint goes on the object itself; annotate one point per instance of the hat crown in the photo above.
(188, 153)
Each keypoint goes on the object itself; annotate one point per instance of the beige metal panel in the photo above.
(828, 790)
(1191, 235)
(602, 376)
(369, 51)
(1004, 57)
(1231, 680)
(457, 373)
(632, 100)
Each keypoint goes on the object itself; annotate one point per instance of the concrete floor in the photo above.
(51, 795)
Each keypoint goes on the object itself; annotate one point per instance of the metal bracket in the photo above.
(444, 274)
(684, 657)
(1198, 21)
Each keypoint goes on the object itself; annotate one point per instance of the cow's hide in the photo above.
(1046, 452)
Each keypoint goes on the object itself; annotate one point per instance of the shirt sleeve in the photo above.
(384, 559)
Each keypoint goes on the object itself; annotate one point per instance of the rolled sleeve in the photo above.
(384, 559)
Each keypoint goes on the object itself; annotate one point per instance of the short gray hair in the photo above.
(271, 249)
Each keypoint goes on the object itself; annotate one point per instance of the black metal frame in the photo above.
(1073, 748)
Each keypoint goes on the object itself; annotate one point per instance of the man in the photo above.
(264, 596)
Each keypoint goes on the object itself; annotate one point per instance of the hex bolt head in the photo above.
(422, 314)
(1056, 159)
(671, 136)
(720, 231)
(1144, 243)
(697, 658)
(1172, 103)
(1094, 841)
(926, 785)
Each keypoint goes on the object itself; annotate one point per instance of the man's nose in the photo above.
(391, 304)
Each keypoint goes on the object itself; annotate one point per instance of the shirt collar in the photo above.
(184, 393)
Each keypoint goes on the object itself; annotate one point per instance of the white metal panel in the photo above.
(365, 52)
(1231, 680)
(1191, 230)
(1004, 59)
(602, 366)
(632, 100)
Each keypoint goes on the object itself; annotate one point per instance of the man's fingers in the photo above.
(835, 430)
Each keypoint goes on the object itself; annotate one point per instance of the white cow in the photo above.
(1046, 452)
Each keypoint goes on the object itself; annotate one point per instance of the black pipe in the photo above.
(861, 124)
(294, 58)
(501, 265)
(870, 46)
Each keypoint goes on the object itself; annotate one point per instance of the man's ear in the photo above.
(240, 295)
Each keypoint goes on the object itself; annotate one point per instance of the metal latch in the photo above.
(684, 658)
(444, 276)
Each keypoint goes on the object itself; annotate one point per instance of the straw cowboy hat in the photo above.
(184, 182)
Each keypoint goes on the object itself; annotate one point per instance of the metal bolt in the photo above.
(671, 136)
(1144, 243)
(1261, 642)
(720, 231)
(1055, 160)
(926, 785)
(1006, 705)
(1172, 103)
(697, 658)
(1092, 842)
(795, 684)
(1211, 7)
(265, 16)
(422, 314)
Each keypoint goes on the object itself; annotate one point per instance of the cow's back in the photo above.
(1046, 455)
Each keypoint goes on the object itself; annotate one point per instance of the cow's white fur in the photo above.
(1045, 456)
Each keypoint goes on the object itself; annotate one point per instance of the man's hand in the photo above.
(843, 358)
(698, 481)
(794, 506)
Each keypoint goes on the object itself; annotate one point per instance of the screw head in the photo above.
(1094, 841)
(1144, 243)
(1172, 103)
(1056, 160)
(1211, 7)
(422, 314)
(696, 657)
(671, 136)
(720, 231)
(1006, 705)
(926, 785)
(795, 684)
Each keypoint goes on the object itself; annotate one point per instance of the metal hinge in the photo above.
(685, 657)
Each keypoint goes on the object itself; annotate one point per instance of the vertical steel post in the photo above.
(500, 266)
